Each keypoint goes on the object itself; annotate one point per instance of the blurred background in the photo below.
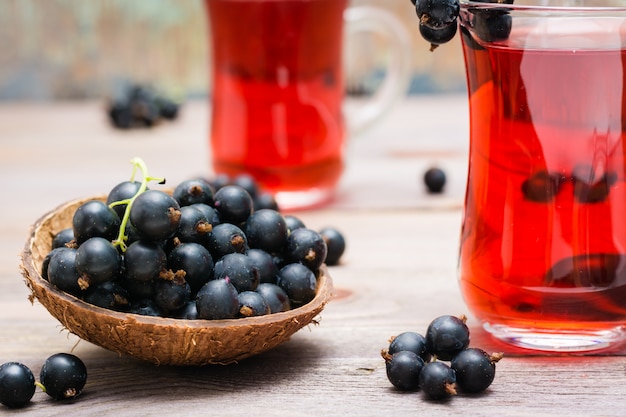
(77, 49)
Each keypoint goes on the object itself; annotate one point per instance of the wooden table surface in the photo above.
(398, 273)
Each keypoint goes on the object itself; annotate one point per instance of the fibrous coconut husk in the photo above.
(155, 339)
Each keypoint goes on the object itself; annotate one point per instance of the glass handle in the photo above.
(394, 86)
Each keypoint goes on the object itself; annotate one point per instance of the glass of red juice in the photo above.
(543, 240)
(278, 91)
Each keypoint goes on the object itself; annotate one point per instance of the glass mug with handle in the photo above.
(543, 246)
(277, 105)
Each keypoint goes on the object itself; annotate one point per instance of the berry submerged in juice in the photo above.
(544, 232)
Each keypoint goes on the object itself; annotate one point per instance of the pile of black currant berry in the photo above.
(208, 250)
(441, 362)
(141, 106)
(438, 21)
(62, 377)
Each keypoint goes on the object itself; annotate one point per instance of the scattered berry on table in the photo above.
(335, 244)
(17, 384)
(435, 180)
(475, 369)
(437, 380)
(403, 369)
(411, 341)
(141, 106)
(448, 364)
(446, 336)
(63, 376)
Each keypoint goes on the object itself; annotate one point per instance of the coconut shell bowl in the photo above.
(163, 341)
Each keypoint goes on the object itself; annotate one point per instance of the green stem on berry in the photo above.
(40, 385)
(138, 163)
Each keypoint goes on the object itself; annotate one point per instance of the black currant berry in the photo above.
(542, 186)
(209, 213)
(265, 200)
(220, 180)
(492, 25)
(251, 303)
(233, 203)
(335, 244)
(97, 260)
(17, 384)
(63, 375)
(293, 222)
(239, 269)
(155, 215)
(435, 180)
(95, 219)
(217, 299)
(437, 380)
(146, 307)
(248, 183)
(403, 369)
(590, 189)
(171, 291)
(193, 226)
(193, 191)
(196, 262)
(138, 290)
(411, 341)
(188, 312)
(62, 272)
(46, 261)
(123, 191)
(110, 295)
(597, 270)
(475, 369)
(437, 13)
(267, 230)
(447, 336)
(276, 298)
(226, 238)
(298, 282)
(63, 238)
(144, 261)
(438, 36)
(307, 247)
(264, 263)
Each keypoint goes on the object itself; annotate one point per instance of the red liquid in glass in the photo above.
(546, 254)
(278, 91)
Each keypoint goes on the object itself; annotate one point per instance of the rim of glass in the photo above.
(540, 8)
